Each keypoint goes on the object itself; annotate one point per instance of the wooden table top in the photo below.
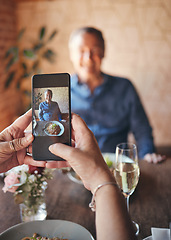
(67, 200)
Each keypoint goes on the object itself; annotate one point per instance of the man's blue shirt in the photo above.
(111, 112)
(49, 112)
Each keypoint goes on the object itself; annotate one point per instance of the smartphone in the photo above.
(51, 114)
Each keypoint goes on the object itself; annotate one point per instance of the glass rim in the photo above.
(133, 146)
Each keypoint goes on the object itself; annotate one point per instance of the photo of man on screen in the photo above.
(49, 110)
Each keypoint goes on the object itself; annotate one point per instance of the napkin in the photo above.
(160, 233)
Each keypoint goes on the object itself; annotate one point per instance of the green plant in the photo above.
(38, 99)
(27, 61)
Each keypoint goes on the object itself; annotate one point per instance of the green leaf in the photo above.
(52, 35)
(9, 64)
(27, 93)
(21, 32)
(9, 79)
(11, 51)
(49, 55)
(29, 53)
(18, 85)
(24, 66)
(42, 33)
(26, 74)
(11, 61)
(35, 65)
(38, 46)
(7, 54)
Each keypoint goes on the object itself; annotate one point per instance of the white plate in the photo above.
(148, 238)
(72, 176)
(57, 123)
(34, 123)
(110, 156)
(47, 228)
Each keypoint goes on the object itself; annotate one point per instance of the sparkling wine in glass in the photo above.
(127, 171)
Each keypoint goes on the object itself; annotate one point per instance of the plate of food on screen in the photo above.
(54, 128)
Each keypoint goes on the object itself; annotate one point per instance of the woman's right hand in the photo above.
(86, 158)
(87, 161)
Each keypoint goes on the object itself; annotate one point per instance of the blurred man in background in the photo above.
(108, 104)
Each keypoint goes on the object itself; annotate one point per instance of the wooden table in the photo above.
(67, 200)
(150, 204)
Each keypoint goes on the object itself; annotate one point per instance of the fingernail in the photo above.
(51, 147)
(29, 137)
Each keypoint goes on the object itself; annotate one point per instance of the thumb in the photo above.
(20, 143)
(61, 150)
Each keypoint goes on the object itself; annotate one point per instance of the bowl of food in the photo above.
(47, 229)
(54, 128)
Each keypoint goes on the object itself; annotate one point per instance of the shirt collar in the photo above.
(83, 89)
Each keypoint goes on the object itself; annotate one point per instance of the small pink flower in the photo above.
(10, 180)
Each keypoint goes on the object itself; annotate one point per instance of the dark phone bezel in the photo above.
(47, 81)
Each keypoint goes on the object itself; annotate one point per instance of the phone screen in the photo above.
(51, 113)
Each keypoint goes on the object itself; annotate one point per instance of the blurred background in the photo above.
(34, 38)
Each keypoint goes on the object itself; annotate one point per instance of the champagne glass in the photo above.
(127, 171)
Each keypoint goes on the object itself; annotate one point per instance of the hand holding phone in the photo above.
(51, 113)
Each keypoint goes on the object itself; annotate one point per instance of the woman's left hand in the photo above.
(13, 144)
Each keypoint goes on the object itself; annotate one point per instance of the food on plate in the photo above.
(53, 129)
(36, 236)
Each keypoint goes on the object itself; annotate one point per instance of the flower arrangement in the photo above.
(28, 183)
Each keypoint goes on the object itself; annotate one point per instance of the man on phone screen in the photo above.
(49, 110)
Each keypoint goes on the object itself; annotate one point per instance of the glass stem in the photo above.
(127, 202)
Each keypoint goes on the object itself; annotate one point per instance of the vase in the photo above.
(31, 213)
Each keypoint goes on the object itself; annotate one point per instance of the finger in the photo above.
(29, 149)
(66, 152)
(164, 157)
(154, 158)
(72, 143)
(160, 158)
(27, 132)
(30, 161)
(18, 144)
(148, 158)
(57, 164)
(23, 121)
(78, 123)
